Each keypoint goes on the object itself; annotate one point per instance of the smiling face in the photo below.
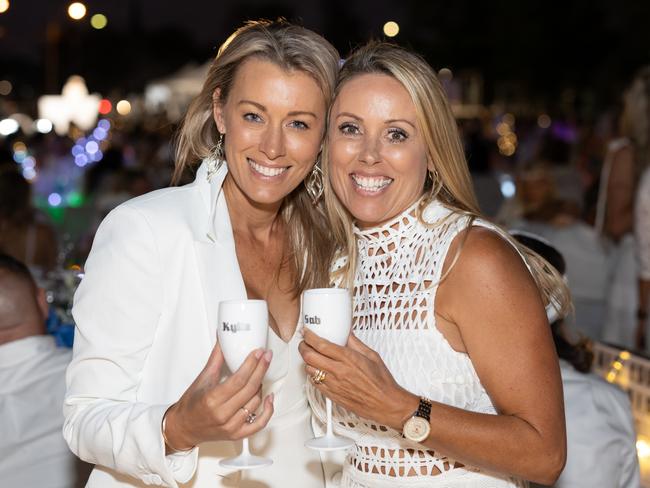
(377, 157)
(273, 121)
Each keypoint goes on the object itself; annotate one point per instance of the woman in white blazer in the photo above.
(145, 400)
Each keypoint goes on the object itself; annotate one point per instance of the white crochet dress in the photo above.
(393, 310)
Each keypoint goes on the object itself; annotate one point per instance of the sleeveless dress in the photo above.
(399, 267)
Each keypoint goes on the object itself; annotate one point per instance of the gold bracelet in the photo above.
(164, 436)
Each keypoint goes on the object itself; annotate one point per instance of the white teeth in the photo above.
(265, 170)
(372, 183)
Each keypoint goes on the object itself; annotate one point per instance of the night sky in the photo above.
(541, 48)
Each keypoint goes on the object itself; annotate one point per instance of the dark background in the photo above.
(573, 56)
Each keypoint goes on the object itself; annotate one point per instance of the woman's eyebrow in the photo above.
(392, 121)
(348, 114)
(263, 109)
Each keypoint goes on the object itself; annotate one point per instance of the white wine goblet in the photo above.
(328, 313)
(242, 328)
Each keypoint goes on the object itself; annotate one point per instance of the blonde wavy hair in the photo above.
(450, 180)
(293, 48)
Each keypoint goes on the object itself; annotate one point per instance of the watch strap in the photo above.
(424, 409)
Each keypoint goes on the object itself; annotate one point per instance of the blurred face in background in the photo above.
(273, 121)
(536, 188)
(376, 155)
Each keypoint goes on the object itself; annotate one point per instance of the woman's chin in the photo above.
(371, 217)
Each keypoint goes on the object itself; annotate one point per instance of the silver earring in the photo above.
(217, 158)
(314, 183)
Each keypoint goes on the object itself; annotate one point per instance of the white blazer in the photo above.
(146, 315)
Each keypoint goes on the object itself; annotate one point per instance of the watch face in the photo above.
(416, 429)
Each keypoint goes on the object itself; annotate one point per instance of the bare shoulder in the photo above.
(488, 273)
(481, 252)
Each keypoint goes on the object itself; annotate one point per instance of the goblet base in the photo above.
(329, 443)
(243, 462)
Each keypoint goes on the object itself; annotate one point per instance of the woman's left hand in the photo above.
(357, 379)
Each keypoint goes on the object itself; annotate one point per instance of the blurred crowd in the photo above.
(584, 186)
(572, 182)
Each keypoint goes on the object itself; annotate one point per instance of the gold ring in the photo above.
(250, 417)
(319, 377)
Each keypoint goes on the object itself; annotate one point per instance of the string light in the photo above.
(617, 366)
(87, 150)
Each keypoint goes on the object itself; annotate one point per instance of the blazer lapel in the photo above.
(215, 249)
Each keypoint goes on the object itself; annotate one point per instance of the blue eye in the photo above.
(348, 129)
(298, 124)
(252, 117)
(397, 135)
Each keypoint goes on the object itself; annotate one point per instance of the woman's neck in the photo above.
(253, 219)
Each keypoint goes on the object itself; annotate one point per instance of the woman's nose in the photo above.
(370, 152)
(272, 144)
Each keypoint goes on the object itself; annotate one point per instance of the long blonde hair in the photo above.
(293, 48)
(450, 183)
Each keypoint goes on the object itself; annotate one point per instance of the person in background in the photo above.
(601, 441)
(23, 234)
(627, 155)
(552, 218)
(33, 452)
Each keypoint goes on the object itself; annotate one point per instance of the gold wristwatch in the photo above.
(417, 428)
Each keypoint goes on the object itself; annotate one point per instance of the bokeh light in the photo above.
(5, 87)
(544, 121)
(92, 147)
(54, 199)
(4, 6)
(77, 10)
(98, 21)
(8, 126)
(509, 119)
(123, 107)
(445, 74)
(44, 126)
(105, 106)
(391, 28)
(29, 174)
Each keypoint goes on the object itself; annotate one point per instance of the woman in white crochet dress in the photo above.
(450, 377)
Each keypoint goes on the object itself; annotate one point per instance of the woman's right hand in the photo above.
(214, 411)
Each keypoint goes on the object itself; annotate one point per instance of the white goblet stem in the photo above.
(328, 407)
(245, 451)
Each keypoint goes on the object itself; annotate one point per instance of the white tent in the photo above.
(173, 94)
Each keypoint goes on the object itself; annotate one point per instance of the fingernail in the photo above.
(268, 355)
(272, 397)
(301, 331)
(258, 353)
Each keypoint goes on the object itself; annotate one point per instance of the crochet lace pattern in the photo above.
(398, 270)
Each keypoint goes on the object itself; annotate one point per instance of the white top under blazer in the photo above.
(146, 314)
(398, 271)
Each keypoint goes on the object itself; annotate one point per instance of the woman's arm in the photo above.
(492, 299)
(116, 311)
(619, 214)
(642, 233)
